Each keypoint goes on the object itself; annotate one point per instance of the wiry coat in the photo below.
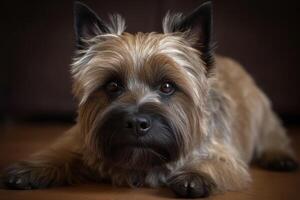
(220, 119)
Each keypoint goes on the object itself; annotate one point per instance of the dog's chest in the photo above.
(135, 178)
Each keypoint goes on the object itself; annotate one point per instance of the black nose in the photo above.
(140, 124)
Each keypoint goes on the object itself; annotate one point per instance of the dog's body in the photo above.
(155, 111)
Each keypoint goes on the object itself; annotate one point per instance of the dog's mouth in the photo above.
(141, 153)
(134, 145)
(144, 141)
(138, 146)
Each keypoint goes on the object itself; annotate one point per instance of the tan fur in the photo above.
(226, 120)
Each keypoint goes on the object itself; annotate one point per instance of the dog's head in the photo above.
(142, 96)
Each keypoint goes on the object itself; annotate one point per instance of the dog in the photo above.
(159, 109)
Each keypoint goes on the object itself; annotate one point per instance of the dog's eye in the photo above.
(113, 87)
(167, 88)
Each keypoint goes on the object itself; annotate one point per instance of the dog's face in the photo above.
(142, 96)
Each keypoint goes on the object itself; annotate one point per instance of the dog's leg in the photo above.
(273, 150)
(52, 167)
(221, 170)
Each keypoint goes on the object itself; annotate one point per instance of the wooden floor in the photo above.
(19, 140)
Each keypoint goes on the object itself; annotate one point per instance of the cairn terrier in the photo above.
(159, 109)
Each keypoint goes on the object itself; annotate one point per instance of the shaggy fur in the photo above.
(206, 133)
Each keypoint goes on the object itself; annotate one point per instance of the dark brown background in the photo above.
(37, 46)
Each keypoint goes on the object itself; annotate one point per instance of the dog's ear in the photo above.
(87, 24)
(197, 27)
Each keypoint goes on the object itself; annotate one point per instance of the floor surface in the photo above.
(17, 141)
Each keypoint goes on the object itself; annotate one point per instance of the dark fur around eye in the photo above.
(113, 87)
(167, 88)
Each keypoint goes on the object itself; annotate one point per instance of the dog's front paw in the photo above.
(22, 176)
(191, 185)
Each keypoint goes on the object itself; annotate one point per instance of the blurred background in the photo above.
(37, 43)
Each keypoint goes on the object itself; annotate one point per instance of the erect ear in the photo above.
(198, 23)
(87, 24)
